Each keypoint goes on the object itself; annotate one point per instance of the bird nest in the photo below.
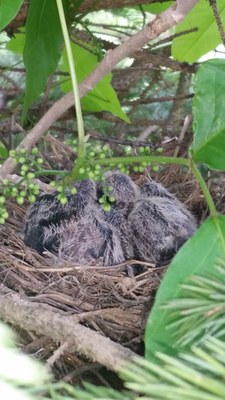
(110, 300)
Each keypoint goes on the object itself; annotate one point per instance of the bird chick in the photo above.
(48, 212)
(159, 224)
(76, 231)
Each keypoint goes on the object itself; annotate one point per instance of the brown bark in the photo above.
(44, 320)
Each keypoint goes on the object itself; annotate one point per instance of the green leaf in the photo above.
(16, 44)
(8, 11)
(192, 46)
(198, 256)
(209, 117)
(3, 151)
(43, 46)
(157, 8)
(103, 96)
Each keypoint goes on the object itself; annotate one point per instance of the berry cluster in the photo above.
(24, 188)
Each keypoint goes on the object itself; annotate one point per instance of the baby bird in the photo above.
(76, 231)
(156, 223)
(147, 223)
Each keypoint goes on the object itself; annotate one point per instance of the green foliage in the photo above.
(197, 256)
(103, 96)
(157, 8)
(197, 375)
(208, 110)
(16, 44)
(199, 311)
(43, 47)
(3, 151)
(8, 10)
(18, 372)
(192, 46)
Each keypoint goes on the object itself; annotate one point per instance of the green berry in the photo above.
(91, 174)
(34, 150)
(5, 182)
(5, 214)
(112, 199)
(2, 200)
(24, 167)
(82, 170)
(23, 193)
(73, 190)
(30, 175)
(40, 160)
(2, 220)
(31, 198)
(14, 191)
(60, 188)
(101, 200)
(106, 207)
(63, 200)
(128, 150)
(22, 160)
(20, 200)
(22, 152)
(53, 183)
(12, 153)
(36, 190)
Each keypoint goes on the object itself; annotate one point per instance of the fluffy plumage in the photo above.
(147, 223)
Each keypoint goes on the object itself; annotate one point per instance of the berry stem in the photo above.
(80, 125)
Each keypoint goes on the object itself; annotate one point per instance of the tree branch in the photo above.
(44, 320)
(163, 21)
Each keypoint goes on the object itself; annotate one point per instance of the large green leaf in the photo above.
(198, 256)
(43, 46)
(157, 8)
(209, 116)
(8, 11)
(103, 96)
(192, 46)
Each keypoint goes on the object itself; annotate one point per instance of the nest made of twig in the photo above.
(110, 300)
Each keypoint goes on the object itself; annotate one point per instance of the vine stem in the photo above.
(205, 190)
(139, 159)
(209, 200)
(80, 125)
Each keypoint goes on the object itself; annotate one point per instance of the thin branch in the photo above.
(165, 20)
(219, 23)
(44, 320)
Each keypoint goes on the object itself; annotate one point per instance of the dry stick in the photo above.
(165, 20)
(44, 321)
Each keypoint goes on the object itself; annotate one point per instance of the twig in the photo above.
(219, 23)
(185, 126)
(165, 20)
(44, 320)
(58, 353)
